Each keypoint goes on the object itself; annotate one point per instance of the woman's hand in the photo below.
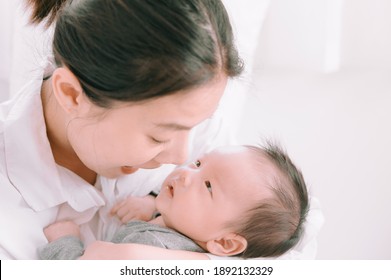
(135, 208)
(61, 229)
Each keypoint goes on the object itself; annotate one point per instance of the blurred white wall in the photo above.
(315, 34)
(366, 34)
(247, 18)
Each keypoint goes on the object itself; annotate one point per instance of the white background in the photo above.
(200, 270)
(319, 80)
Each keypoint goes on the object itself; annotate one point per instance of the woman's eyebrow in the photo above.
(172, 126)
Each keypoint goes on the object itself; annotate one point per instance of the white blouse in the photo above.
(34, 190)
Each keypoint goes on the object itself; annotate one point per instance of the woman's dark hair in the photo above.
(134, 50)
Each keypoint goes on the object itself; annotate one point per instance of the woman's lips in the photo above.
(128, 169)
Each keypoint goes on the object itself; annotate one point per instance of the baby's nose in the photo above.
(184, 177)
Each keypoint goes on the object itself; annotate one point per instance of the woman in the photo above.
(130, 80)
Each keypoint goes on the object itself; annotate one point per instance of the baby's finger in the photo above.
(116, 207)
(123, 211)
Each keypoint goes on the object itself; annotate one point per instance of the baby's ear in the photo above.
(229, 245)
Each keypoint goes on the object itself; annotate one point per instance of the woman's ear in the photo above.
(67, 89)
(229, 245)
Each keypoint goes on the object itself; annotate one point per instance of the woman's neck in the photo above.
(56, 129)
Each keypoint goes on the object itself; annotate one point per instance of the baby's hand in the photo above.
(135, 208)
(61, 229)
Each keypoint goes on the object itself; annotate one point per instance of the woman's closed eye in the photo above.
(157, 141)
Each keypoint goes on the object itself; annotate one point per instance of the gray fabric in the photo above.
(70, 248)
(154, 235)
(65, 248)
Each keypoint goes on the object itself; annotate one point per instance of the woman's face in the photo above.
(117, 141)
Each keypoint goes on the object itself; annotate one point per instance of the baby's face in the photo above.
(200, 198)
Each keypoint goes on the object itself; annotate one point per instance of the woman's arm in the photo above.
(101, 250)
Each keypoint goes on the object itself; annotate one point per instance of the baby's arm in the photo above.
(135, 208)
(100, 250)
(64, 242)
(61, 229)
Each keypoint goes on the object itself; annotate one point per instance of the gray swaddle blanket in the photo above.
(70, 247)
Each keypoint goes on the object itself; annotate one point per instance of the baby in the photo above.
(241, 201)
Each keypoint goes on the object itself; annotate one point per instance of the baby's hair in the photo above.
(275, 224)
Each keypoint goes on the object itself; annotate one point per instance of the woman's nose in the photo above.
(177, 153)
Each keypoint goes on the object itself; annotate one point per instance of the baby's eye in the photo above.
(208, 186)
(197, 163)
